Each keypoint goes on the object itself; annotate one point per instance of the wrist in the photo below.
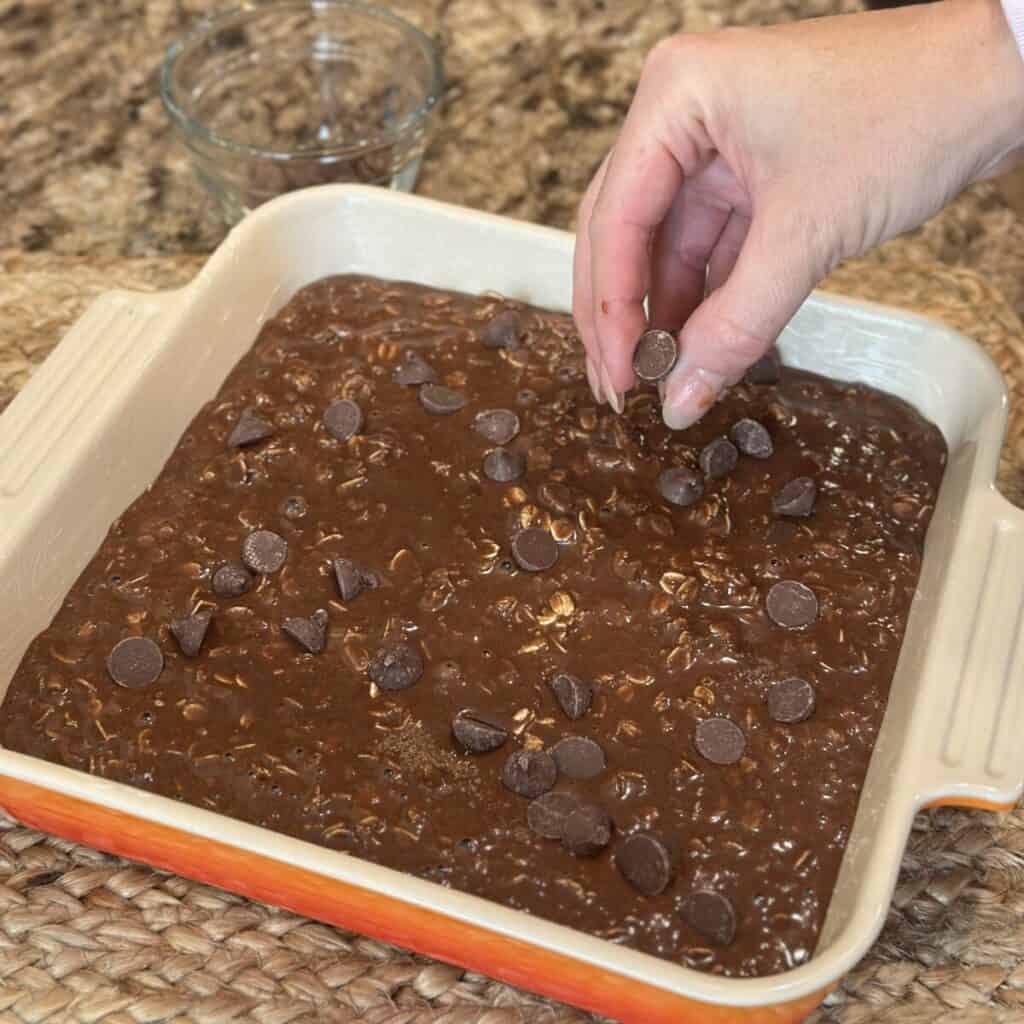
(983, 38)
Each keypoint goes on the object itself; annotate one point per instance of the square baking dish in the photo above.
(96, 423)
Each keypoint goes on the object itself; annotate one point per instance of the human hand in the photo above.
(753, 160)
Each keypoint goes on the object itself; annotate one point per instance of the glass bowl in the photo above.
(282, 94)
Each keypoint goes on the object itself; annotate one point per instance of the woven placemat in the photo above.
(89, 937)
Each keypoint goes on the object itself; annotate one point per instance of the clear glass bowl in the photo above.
(283, 94)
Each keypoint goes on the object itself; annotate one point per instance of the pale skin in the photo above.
(753, 160)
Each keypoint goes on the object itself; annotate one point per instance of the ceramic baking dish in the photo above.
(96, 423)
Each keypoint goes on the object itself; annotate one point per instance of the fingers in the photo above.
(737, 323)
(582, 298)
(727, 250)
(682, 248)
(640, 184)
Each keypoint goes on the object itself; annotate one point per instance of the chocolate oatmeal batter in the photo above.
(437, 609)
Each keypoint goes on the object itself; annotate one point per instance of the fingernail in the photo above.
(687, 401)
(593, 381)
(615, 398)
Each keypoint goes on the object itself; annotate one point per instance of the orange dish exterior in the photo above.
(348, 906)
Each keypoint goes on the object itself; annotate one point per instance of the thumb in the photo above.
(777, 267)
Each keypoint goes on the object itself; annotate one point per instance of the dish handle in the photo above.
(977, 745)
(117, 331)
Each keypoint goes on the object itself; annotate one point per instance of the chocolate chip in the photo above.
(499, 426)
(719, 458)
(579, 757)
(413, 370)
(503, 466)
(796, 498)
(766, 370)
(645, 863)
(529, 773)
(535, 550)
(294, 507)
(264, 552)
(719, 740)
(548, 813)
(250, 428)
(654, 356)
(680, 486)
(396, 666)
(135, 663)
(587, 830)
(232, 579)
(503, 331)
(791, 701)
(478, 732)
(574, 695)
(343, 419)
(349, 579)
(310, 634)
(190, 632)
(439, 400)
(710, 914)
(791, 605)
(752, 439)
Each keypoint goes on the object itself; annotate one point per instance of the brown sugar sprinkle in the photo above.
(579, 620)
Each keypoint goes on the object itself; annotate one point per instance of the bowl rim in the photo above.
(212, 23)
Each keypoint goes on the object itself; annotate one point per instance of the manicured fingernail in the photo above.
(687, 400)
(615, 398)
(594, 382)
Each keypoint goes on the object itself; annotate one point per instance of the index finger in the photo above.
(642, 180)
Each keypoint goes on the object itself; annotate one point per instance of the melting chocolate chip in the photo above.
(190, 631)
(343, 419)
(719, 740)
(439, 400)
(503, 331)
(232, 579)
(579, 757)
(503, 466)
(535, 550)
(710, 914)
(250, 429)
(752, 439)
(719, 458)
(413, 370)
(135, 663)
(529, 773)
(499, 426)
(587, 830)
(574, 695)
(294, 507)
(645, 862)
(349, 579)
(796, 498)
(791, 604)
(548, 813)
(310, 634)
(396, 666)
(264, 552)
(478, 732)
(654, 356)
(766, 370)
(791, 701)
(680, 486)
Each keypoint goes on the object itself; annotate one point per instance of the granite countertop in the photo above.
(89, 165)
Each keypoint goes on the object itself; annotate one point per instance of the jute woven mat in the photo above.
(88, 937)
